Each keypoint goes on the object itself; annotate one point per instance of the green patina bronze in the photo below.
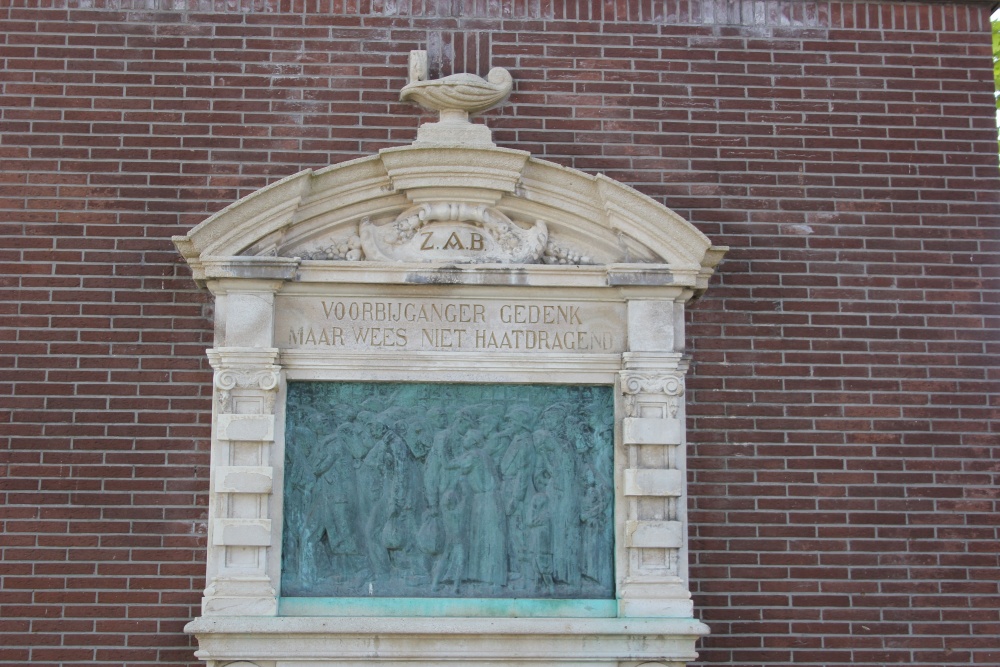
(448, 491)
(468, 607)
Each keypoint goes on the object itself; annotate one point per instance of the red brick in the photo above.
(840, 411)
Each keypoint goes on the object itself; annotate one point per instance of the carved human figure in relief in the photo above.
(430, 538)
(332, 512)
(299, 537)
(517, 466)
(487, 528)
(560, 465)
(447, 498)
(539, 531)
(594, 564)
(391, 522)
(451, 565)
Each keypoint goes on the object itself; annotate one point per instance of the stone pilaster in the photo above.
(245, 497)
(654, 553)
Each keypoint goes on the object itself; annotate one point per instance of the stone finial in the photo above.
(455, 98)
(465, 93)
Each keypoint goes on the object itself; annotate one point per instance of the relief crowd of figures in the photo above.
(427, 490)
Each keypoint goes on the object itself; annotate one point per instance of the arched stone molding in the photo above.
(586, 216)
(460, 227)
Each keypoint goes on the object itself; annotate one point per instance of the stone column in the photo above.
(242, 553)
(654, 580)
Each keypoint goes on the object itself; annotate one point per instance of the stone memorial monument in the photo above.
(448, 423)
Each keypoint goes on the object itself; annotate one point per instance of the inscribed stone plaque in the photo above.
(437, 490)
(350, 324)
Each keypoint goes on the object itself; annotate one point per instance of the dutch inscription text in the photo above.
(421, 324)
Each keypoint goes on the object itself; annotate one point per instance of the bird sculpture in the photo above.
(462, 93)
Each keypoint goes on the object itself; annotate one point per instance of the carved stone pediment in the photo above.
(461, 233)
(497, 193)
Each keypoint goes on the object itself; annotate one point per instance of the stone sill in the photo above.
(538, 641)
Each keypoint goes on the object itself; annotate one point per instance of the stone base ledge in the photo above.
(389, 642)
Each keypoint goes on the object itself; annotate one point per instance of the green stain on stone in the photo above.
(448, 491)
(409, 607)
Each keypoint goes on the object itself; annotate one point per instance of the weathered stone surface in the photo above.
(339, 322)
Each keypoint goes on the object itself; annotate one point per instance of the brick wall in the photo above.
(842, 407)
